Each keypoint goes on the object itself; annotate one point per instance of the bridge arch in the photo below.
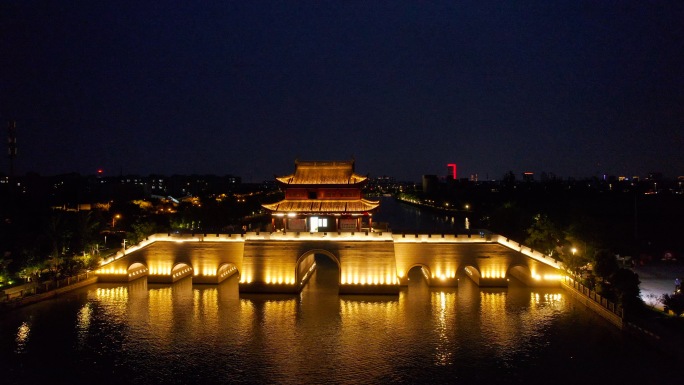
(137, 270)
(522, 273)
(424, 270)
(181, 270)
(473, 273)
(226, 270)
(306, 265)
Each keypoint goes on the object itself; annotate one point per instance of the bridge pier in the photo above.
(370, 289)
(268, 288)
(444, 282)
(483, 281)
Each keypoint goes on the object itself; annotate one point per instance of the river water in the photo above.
(139, 333)
(406, 218)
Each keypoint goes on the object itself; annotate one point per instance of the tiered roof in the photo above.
(323, 206)
(310, 175)
(323, 173)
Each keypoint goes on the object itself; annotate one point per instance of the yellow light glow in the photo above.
(23, 334)
(553, 277)
(112, 271)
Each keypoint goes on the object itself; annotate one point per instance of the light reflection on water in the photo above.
(22, 337)
(180, 333)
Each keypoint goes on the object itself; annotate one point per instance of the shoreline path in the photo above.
(657, 278)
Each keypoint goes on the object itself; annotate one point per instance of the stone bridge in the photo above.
(368, 262)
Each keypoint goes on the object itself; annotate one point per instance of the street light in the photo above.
(114, 218)
(574, 250)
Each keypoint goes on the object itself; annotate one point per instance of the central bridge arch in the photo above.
(306, 265)
(424, 271)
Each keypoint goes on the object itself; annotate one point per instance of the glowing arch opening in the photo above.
(306, 265)
(423, 271)
(181, 270)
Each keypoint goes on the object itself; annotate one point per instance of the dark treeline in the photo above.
(598, 229)
(56, 227)
(625, 217)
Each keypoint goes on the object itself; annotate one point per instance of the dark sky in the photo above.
(246, 87)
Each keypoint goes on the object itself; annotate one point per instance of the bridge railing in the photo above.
(322, 235)
(34, 288)
(595, 297)
(534, 254)
(439, 237)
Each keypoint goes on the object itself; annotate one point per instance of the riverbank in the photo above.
(427, 206)
(652, 325)
(657, 278)
(33, 298)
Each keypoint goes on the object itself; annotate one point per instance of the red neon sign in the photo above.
(453, 169)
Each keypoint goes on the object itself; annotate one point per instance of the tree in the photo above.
(85, 229)
(141, 230)
(58, 234)
(605, 264)
(32, 269)
(510, 219)
(674, 302)
(574, 261)
(625, 284)
(545, 236)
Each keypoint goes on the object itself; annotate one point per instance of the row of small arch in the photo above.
(226, 268)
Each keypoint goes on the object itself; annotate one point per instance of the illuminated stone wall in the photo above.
(486, 263)
(167, 260)
(368, 262)
(282, 266)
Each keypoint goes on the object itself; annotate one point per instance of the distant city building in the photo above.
(430, 184)
(548, 177)
(655, 176)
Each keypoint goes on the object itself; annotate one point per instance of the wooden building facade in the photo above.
(322, 197)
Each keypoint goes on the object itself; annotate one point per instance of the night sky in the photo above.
(574, 88)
